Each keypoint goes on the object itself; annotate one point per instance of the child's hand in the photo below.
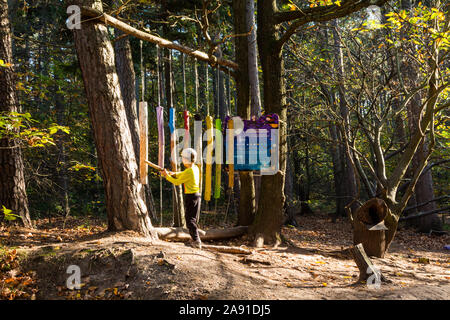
(164, 173)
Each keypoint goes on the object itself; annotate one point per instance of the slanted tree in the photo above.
(124, 194)
(13, 194)
(127, 76)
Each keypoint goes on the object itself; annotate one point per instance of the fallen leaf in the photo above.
(424, 260)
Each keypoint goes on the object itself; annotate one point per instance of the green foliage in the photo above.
(4, 65)
(8, 215)
(19, 126)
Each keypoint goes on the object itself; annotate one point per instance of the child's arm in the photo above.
(181, 177)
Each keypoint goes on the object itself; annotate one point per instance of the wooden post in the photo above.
(209, 152)
(230, 153)
(143, 138)
(364, 264)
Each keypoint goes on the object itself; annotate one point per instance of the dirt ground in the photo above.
(308, 265)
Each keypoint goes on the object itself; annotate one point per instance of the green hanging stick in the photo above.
(218, 153)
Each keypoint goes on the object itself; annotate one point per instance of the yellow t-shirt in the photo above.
(189, 177)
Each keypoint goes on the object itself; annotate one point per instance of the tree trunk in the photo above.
(289, 190)
(424, 192)
(305, 183)
(371, 213)
(269, 217)
(12, 182)
(336, 157)
(255, 95)
(247, 203)
(247, 198)
(424, 188)
(60, 142)
(124, 194)
(349, 177)
(128, 88)
(127, 76)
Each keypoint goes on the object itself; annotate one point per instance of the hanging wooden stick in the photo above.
(173, 138)
(143, 129)
(209, 151)
(218, 153)
(161, 142)
(187, 136)
(196, 84)
(230, 153)
(198, 134)
(143, 138)
(209, 146)
(186, 116)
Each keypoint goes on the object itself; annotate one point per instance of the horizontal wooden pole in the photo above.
(154, 166)
(181, 234)
(164, 43)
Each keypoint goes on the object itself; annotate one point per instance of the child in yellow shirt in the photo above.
(192, 199)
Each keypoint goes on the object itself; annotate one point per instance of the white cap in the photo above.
(189, 154)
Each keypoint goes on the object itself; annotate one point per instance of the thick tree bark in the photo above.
(127, 81)
(369, 214)
(124, 194)
(247, 199)
(255, 96)
(127, 76)
(12, 182)
(269, 216)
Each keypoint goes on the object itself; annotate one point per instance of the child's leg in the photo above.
(192, 206)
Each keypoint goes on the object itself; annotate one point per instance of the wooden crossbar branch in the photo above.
(200, 55)
(181, 234)
(154, 166)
